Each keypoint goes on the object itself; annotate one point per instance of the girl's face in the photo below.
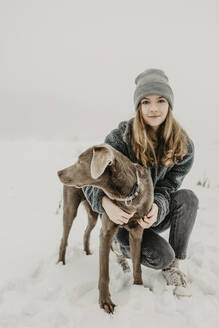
(154, 110)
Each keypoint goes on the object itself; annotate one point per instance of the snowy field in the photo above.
(36, 292)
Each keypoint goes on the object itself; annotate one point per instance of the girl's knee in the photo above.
(158, 259)
(155, 259)
(187, 196)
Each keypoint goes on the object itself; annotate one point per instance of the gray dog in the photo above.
(128, 185)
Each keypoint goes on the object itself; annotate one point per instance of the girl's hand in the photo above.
(150, 218)
(114, 212)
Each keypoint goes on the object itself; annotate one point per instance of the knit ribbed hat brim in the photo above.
(152, 82)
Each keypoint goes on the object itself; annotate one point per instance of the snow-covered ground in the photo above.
(36, 292)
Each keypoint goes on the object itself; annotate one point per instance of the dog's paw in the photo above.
(138, 282)
(88, 252)
(107, 305)
(61, 261)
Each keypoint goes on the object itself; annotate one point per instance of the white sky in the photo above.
(68, 67)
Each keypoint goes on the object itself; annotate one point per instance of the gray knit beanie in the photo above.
(152, 82)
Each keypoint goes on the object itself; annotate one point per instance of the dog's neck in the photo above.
(123, 183)
(134, 193)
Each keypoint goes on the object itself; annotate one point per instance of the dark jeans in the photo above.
(156, 252)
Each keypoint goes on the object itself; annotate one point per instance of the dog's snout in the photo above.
(60, 173)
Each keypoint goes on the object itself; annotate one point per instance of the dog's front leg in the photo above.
(107, 232)
(135, 238)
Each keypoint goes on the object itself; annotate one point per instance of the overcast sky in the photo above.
(67, 68)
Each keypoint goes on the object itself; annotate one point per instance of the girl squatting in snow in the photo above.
(154, 139)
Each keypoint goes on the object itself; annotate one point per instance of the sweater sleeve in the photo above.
(93, 194)
(171, 182)
(94, 197)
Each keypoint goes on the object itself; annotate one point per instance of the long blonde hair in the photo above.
(166, 147)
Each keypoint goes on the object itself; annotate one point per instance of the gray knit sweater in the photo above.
(165, 180)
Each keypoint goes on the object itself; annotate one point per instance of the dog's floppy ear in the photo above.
(102, 157)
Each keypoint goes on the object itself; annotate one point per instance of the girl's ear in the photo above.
(102, 157)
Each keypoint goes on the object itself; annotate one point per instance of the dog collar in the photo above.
(133, 194)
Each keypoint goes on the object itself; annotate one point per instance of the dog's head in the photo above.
(90, 166)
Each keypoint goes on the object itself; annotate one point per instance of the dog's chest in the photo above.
(132, 223)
